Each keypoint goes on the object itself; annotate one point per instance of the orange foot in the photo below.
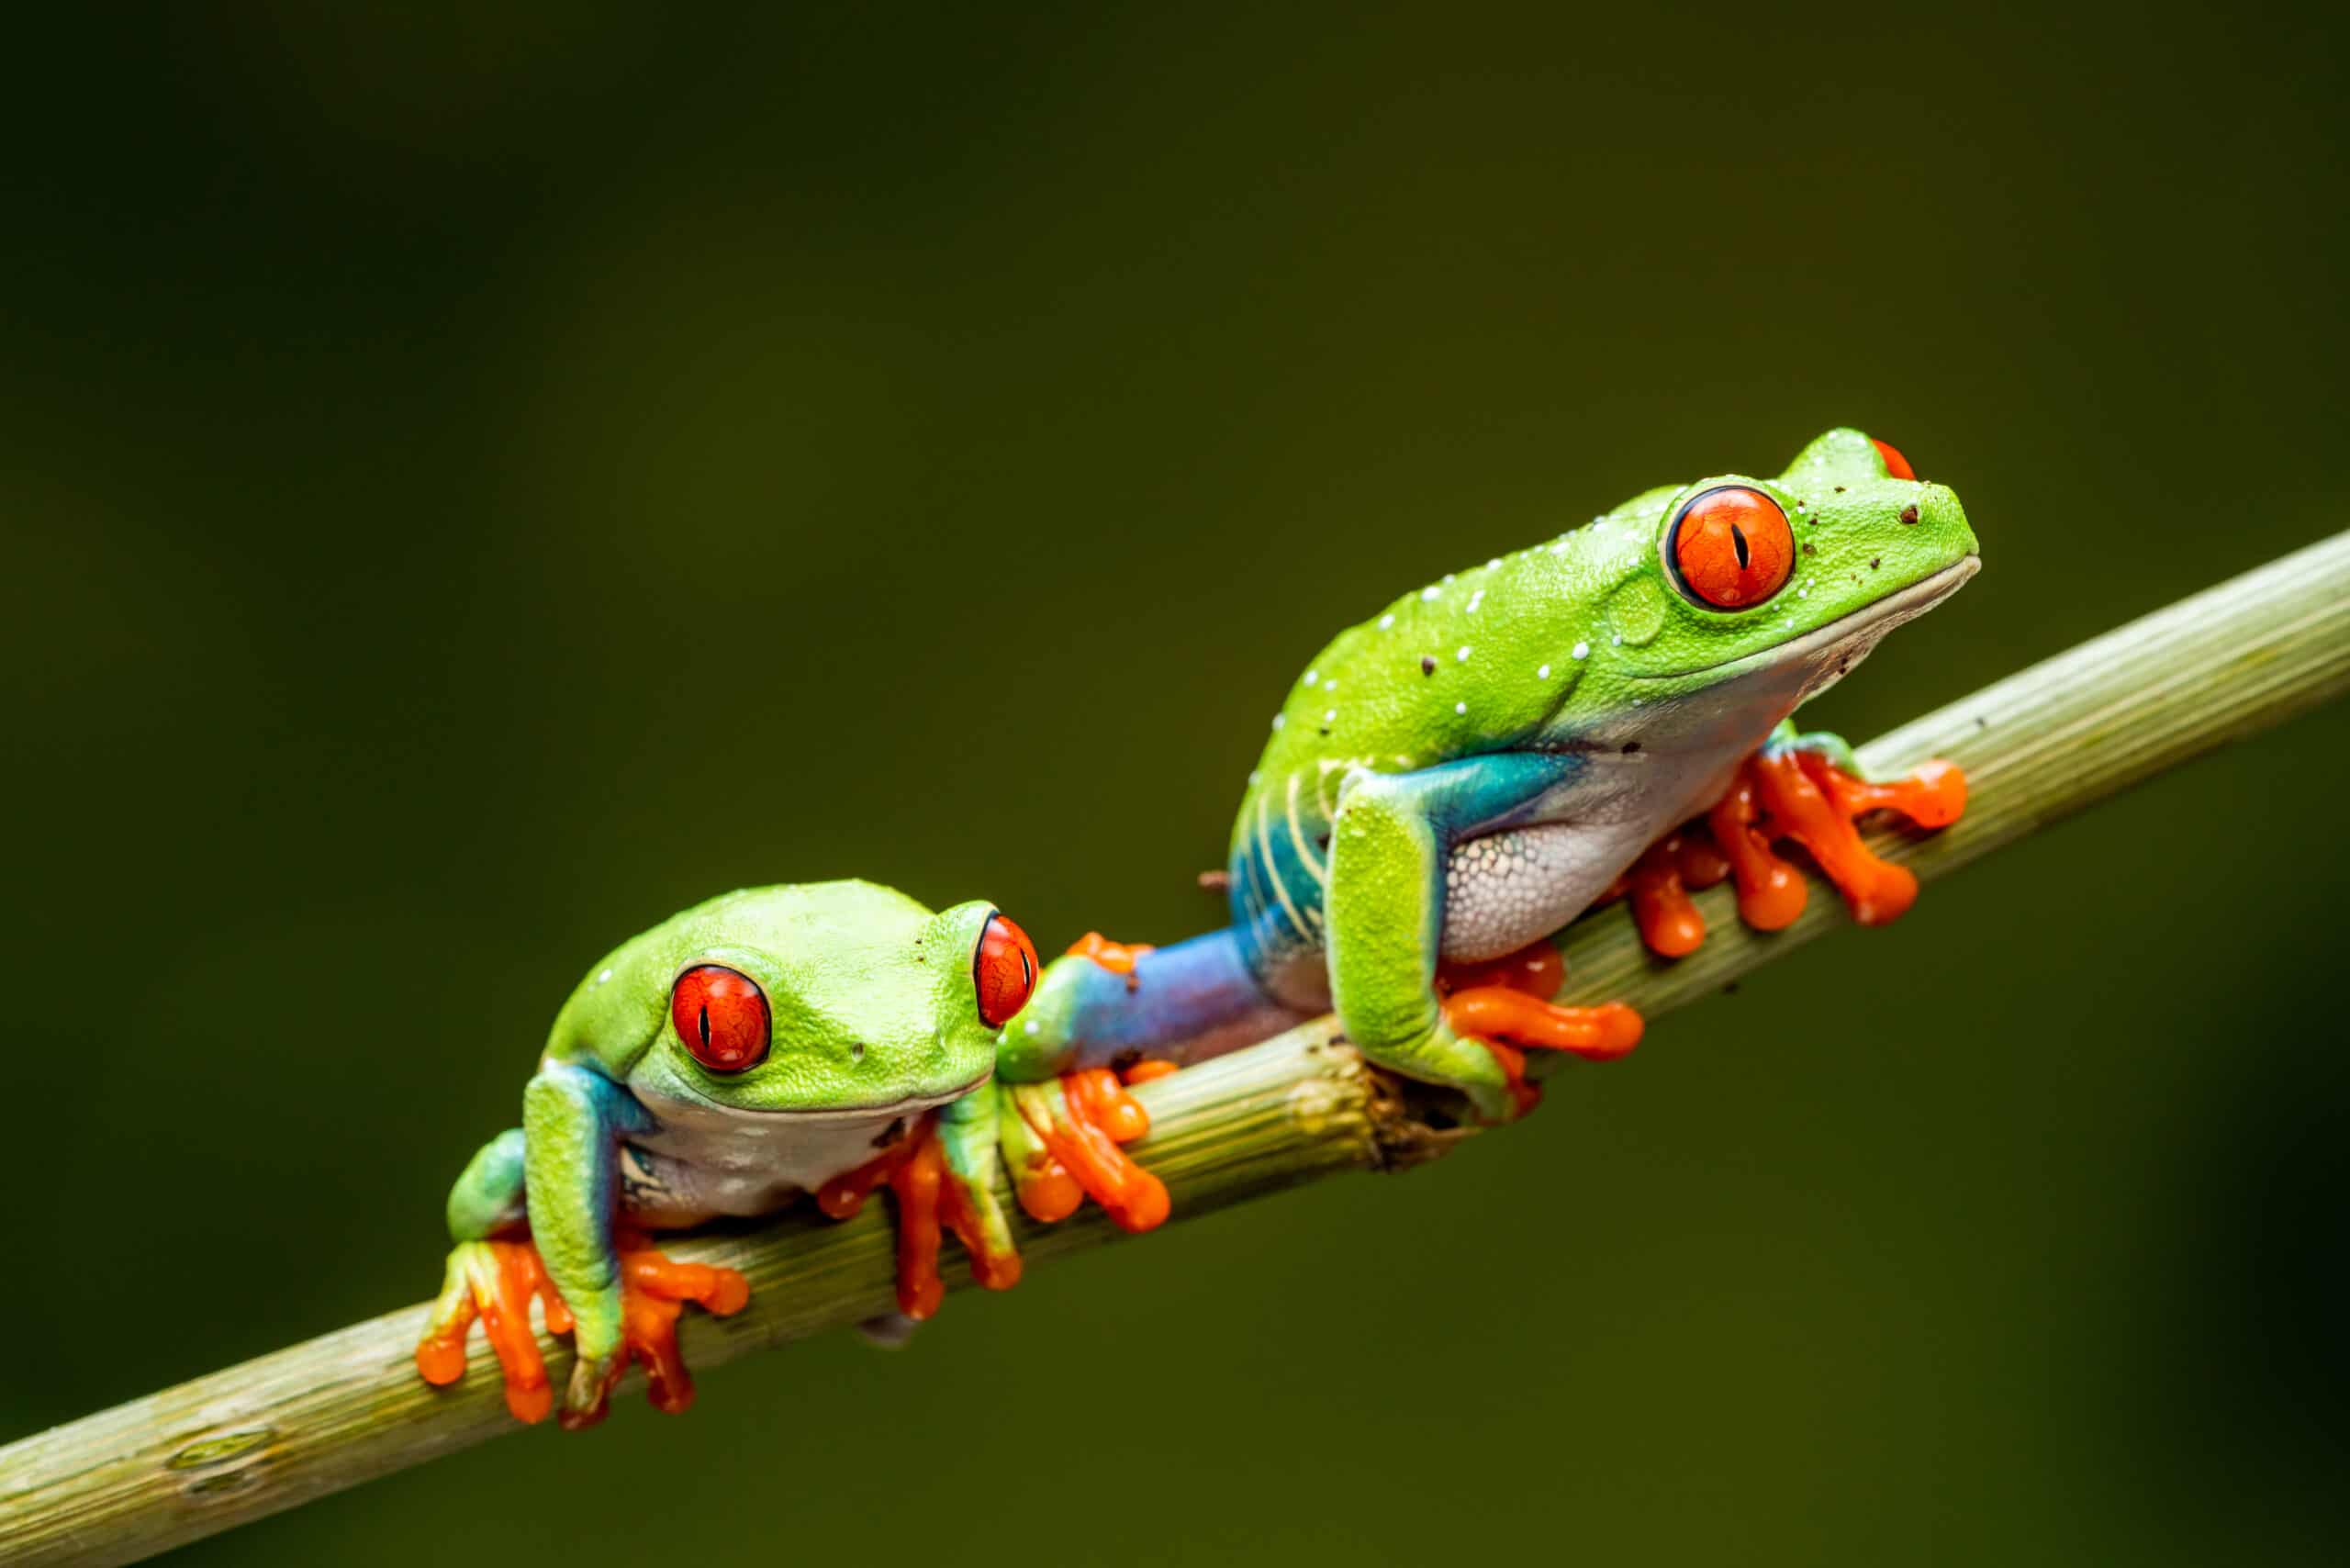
(1798, 793)
(495, 1281)
(1787, 792)
(1062, 1139)
(929, 1202)
(1506, 1006)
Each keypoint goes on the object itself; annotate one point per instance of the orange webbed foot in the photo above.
(1802, 795)
(930, 1203)
(1797, 792)
(655, 1289)
(1504, 1006)
(494, 1282)
(1659, 885)
(1074, 1127)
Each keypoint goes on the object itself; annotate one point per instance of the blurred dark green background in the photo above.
(471, 484)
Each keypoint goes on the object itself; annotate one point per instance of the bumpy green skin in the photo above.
(1547, 663)
(1491, 750)
(1605, 586)
(875, 1019)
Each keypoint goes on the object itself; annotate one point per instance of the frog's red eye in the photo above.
(1896, 466)
(1004, 972)
(1732, 547)
(722, 1016)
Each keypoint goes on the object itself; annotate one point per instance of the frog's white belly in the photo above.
(705, 1162)
(1506, 890)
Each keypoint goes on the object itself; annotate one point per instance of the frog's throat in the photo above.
(1871, 621)
(912, 1104)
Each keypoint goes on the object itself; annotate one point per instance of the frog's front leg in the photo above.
(1390, 848)
(624, 1297)
(1811, 788)
(492, 1276)
(619, 1297)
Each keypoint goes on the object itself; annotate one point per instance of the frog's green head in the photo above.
(831, 996)
(1793, 578)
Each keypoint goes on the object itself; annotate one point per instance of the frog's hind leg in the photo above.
(1112, 1005)
(1386, 900)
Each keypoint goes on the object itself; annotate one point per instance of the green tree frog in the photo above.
(825, 1039)
(1450, 783)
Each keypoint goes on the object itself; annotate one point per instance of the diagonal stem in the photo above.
(327, 1414)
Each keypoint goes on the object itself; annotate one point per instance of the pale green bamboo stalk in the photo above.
(324, 1415)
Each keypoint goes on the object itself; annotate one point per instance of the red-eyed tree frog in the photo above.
(825, 1039)
(1452, 781)
(1447, 785)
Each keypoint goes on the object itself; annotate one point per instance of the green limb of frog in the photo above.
(768, 1045)
(1389, 901)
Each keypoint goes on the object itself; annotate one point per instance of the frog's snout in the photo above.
(1939, 516)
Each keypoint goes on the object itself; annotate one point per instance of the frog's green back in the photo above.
(828, 955)
(1588, 625)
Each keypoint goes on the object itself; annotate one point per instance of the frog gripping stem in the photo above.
(1504, 1006)
(1796, 792)
(931, 1200)
(1065, 1139)
(495, 1280)
(655, 1289)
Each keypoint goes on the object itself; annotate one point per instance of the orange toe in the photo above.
(1496, 1012)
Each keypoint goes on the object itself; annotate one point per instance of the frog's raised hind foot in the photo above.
(495, 1281)
(1505, 1006)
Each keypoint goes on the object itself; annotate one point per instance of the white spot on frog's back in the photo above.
(604, 978)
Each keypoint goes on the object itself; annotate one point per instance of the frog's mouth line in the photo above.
(1904, 604)
(911, 1105)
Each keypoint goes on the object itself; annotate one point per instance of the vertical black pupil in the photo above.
(705, 1025)
(1738, 542)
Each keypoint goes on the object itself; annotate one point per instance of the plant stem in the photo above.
(337, 1410)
